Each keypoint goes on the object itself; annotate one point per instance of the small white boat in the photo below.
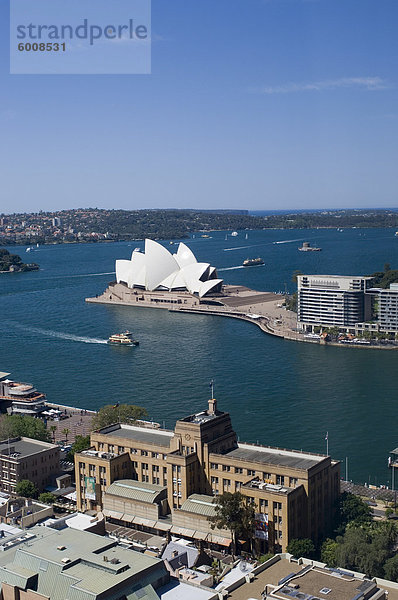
(234, 233)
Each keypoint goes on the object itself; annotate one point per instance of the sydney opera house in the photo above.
(157, 269)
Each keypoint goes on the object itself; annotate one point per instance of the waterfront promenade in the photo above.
(77, 421)
(264, 309)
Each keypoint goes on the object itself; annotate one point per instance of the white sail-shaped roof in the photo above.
(157, 268)
(159, 263)
(184, 256)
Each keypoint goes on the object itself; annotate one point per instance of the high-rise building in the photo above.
(332, 301)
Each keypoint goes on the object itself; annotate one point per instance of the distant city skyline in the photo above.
(264, 105)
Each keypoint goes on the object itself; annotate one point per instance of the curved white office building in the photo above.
(158, 269)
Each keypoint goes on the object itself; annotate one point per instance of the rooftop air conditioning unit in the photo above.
(65, 560)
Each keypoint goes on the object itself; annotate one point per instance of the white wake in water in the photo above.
(289, 241)
(62, 336)
(240, 247)
(231, 268)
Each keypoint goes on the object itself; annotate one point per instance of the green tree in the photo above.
(47, 498)
(233, 513)
(328, 552)
(123, 413)
(264, 557)
(26, 488)
(352, 509)
(366, 548)
(66, 432)
(82, 442)
(23, 426)
(53, 429)
(391, 568)
(301, 548)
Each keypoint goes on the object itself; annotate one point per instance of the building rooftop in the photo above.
(157, 437)
(257, 484)
(135, 490)
(316, 583)
(275, 456)
(72, 563)
(3, 375)
(200, 504)
(18, 448)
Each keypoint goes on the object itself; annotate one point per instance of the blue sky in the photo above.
(259, 104)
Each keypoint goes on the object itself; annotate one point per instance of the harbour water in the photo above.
(278, 392)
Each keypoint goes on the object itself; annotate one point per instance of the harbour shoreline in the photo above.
(263, 309)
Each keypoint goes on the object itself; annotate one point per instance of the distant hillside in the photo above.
(101, 225)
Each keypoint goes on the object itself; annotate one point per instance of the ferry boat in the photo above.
(253, 262)
(306, 247)
(122, 339)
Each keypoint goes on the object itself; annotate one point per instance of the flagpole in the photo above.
(327, 443)
(212, 388)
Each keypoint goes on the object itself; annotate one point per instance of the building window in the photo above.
(263, 504)
(280, 480)
(144, 452)
(239, 470)
(226, 468)
(293, 481)
(213, 466)
(251, 472)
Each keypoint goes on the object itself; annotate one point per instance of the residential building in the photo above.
(385, 308)
(332, 301)
(293, 492)
(24, 458)
(53, 565)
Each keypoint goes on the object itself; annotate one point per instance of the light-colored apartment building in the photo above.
(385, 308)
(332, 301)
(24, 458)
(293, 493)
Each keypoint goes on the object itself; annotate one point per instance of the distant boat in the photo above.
(306, 247)
(253, 262)
(396, 234)
(28, 249)
(234, 233)
(246, 236)
(205, 236)
(37, 245)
